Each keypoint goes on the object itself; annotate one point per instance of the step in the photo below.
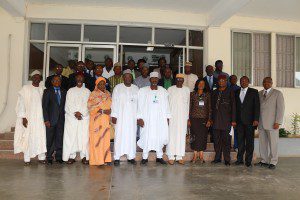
(6, 145)
(9, 145)
(7, 136)
(9, 154)
(208, 156)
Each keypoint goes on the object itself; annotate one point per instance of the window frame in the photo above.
(117, 42)
(252, 32)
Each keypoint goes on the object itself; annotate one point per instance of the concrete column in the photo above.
(218, 46)
(273, 58)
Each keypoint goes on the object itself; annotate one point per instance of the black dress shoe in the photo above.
(215, 161)
(60, 161)
(239, 163)
(271, 166)
(248, 165)
(144, 161)
(26, 163)
(132, 161)
(49, 162)
(117, 162)
(261, 164)
(227, 163)
(161, 161)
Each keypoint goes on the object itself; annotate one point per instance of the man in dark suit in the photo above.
(88, 80)
(54, 116)
(98, 71)
(166, 81)
(58, 72)
(247, 109)
(211, 82)
(223, 118)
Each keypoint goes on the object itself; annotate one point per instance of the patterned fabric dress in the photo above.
(99, 128)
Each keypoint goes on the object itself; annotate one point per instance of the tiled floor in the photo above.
(149, 182)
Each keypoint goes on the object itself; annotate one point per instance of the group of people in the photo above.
(77, 112)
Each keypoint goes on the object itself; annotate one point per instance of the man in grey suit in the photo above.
(271, 117)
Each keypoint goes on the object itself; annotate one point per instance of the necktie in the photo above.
(57, 95)
(242, 95)
(265, 94)
(210, 82)
(133, 74)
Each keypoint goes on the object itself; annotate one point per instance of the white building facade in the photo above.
(38, 33)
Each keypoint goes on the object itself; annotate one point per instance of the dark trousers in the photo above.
(245, 135)
(55, 136)
(222, 143)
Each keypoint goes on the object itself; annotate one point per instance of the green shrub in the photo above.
(283, 132)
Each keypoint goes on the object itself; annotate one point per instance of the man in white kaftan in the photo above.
(153, 116)
(179, 98)
(76, 130)
(30, 132)
(124, 116)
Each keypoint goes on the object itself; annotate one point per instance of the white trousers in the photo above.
(172, 157)
(82, 155)
(41, 156)
(159, 154)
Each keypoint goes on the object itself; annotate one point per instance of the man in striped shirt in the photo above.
(117, 78)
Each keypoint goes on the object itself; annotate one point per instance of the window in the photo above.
(135, 35)
(242, 55)
(297, 71)
(251, 56)
(94, 33)
(36, 57)
(196, 57)
(37, 31)
(285, 60)
(261, 57)
(195, 38)
(170, 37)
(67, 32)
(66, 41)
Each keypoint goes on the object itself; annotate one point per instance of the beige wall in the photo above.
(217, 41)
(116, 14)
(219, 47)
(15, 27)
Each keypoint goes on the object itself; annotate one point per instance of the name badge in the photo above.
(155, 100)
(201, 103)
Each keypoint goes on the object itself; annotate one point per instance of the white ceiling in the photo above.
(195, 6)
(273, 9)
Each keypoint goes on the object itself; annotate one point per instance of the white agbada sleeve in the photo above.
(70, 107)
(20, 108)
(115, 103)
(84, 107)
(188, 105)
(167, 106)
(141, 100)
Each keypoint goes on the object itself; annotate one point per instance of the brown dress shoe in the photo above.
(43, 162)
(171, 162)
(70, 161)
(181, 162)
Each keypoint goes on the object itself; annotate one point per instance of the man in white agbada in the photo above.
(179, 98)
(153, 117)
(76, 131)
(124, 116)
(30, 133)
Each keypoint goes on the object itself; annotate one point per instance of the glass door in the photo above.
(98, 53)
(61, 54)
